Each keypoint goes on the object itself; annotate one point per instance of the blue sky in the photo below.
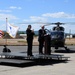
(28, 11)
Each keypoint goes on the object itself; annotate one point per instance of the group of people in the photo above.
(41, 38)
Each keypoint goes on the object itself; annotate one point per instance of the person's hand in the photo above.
(33, 30)
(45, 34)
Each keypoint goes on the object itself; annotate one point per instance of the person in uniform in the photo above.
(30, 34)
(41, 38)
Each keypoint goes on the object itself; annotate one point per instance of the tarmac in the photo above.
(50, 68)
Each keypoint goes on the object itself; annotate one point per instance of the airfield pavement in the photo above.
(55, 68)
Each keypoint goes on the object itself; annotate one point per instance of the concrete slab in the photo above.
(61, 68)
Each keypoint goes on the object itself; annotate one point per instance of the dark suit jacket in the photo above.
(41, 35)
(29, 34)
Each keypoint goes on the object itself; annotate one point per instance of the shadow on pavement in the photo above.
(65, 51)
(35, 63)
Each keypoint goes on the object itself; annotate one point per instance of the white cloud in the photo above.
(9, 16)
(5, 10)
(36, 19)
(19, 8)
(51, 17)
(40, 19)
(3, 27)
(14, 7)
(59, 15)
(45, 17)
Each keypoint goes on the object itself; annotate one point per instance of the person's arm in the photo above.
(39, 33)
(32, 32)
(28, 32)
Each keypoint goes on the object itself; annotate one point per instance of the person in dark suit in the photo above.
(30, 34)
(41, 38)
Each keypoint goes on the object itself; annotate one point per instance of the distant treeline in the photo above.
(24, 32)
(36, 33)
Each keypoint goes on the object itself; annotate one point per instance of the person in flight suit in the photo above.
(41, 38)
(30, 34)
